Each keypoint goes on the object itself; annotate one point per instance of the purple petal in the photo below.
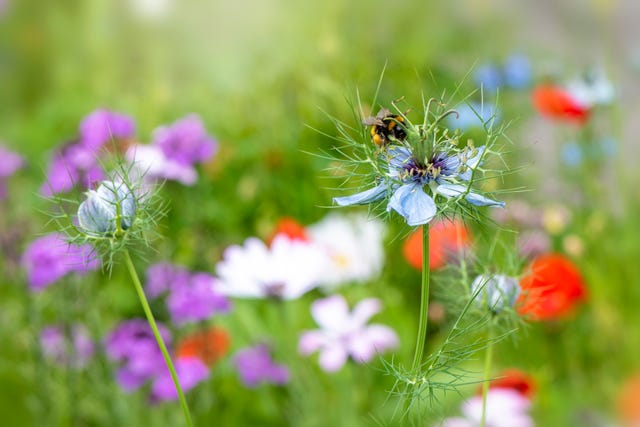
(331, 313)
(333, 358)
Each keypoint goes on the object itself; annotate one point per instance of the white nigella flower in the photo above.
(354, 246)
(110, 208)
(285, 270)
(497, 291)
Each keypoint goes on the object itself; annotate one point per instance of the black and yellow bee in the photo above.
(384, 125)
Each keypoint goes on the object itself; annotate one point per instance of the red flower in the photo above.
(446, 239)
(208, 345)
(629, 402)
(290, 228)
(514, 379)
(551, 289)
(556, 103)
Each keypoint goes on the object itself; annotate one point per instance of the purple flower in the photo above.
(10, 162)
(133, 344)
(73, 164)
(345, 334)
(256, 366)
(51, 257)
(102, 125)
(190, 370)
(191, 297)
(57, 346)
(186, 141)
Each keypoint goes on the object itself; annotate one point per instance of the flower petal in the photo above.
(456, 190)
(416, 206)
(333, 358)
(368, 196)
(363, 311)
(311, 341)
(331, 313)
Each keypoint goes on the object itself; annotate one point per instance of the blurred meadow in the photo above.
(260, 86)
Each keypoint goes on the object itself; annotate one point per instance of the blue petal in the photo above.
(455, 190)
(416, 206)
(471, 164)
(398, 156)
(364, 197)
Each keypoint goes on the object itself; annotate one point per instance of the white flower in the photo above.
(345, 334)
(495, 291)
(505, 408)
(286, 270)
(591, 90)
(354, 246)
(109, 208)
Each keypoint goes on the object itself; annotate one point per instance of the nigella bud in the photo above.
(110, 208)
(497, 291)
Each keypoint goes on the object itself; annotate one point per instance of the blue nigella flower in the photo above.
(517, 71)
(446, 174)
(109, 208)
(489, 76)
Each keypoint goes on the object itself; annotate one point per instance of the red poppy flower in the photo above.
(446, 239)
(514, 379)
(629, 402)
(551, 289)
(290, 228)
(556, 103)
(208, 345)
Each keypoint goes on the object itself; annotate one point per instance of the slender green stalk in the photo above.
(156, 333)
(487, 371)
(424, 300)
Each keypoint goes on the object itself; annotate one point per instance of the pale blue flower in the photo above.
(446, 174)
(109, 208)
(496, 291)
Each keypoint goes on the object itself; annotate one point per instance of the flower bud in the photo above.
(496, 291)
(110, 208)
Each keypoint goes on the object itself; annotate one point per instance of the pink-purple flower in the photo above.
(190, 371)
(10, 162)
(191, 296)
(49, 258)
(72, 347)
(255, 366)
(345, 333)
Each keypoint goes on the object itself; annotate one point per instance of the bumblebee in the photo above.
(385, 125)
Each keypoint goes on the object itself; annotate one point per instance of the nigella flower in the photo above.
(415, 182)
(10, 162)
(255, 366)
(285, 270)
(474, 115)
(49, 258)
(109, 209)
(345, 334)
(496, 292)
(74, 348)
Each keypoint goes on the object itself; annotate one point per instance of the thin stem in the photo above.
(156, 333)
(487, 371)
(424, 300)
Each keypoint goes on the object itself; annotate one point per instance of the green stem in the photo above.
(487, 371)
(424, 301)
(156, 333)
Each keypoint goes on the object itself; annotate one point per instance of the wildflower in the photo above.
(446, 241)
(474, 115)
(49, 258)
(557, 103)
(285, 270)
(102, 126)
(551, 289)
(532, 243)
(496, 292)
(196, 299)
(488, 76)
(190, 372)
(628, 402)
(133, 345)
(504, 408)
(109, 209)
(353, 245)
(516, 380)
(73, 349)
(208, 345)
(290, 228)
(517, 71)
(591, 89)
(10, 162)
(443, 174)
(255, 366)
(345, 334)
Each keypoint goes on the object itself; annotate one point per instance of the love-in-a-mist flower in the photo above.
(109, 209)
(354, 247)
(426, 169)
(73, 347)
(10, 162)
(51, 257)
(285, 270)
(495, 291)
(345, 334)
(551, 289)
(256, 366)
(504, 408)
